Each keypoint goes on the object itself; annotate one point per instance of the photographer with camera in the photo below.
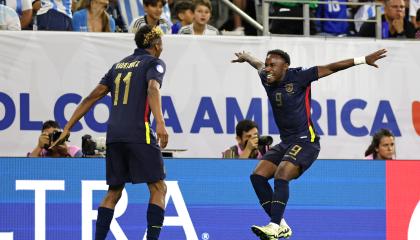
(50, 133)
(250, 144)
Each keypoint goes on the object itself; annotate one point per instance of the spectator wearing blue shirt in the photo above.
(333, 10)
(394, 23)
(184, 11)
(92, 17)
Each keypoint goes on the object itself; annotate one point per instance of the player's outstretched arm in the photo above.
(99, 92)
(153, 95)
(370, 59)
(246, 57)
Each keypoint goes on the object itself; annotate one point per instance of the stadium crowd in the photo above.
(400, 18)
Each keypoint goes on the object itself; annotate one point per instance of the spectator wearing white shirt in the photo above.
(202, 15)
(131, 10)
(9, 20)
(414, 7)
(23, 8)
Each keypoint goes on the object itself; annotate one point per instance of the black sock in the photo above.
(263, 190)
(155, 215)
(103, 222)
(280, 197)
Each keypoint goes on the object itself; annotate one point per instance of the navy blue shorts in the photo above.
(301, 153)
(133, 162)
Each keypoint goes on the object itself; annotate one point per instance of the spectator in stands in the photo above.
(54, 15)
(184, 11)
(45, 139)
(237, 19)
(153, 9)
(418, 24)
(92, 17)
(290, 9)
(414, 7)
(382, 146)
(394, 24)
(9, 20)
(132, 9)
(247, 142)
(23, 8)
(332, 10)
(365, 12)
(200, 26)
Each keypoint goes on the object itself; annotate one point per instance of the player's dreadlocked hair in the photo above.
(147, 36)
(282, 54)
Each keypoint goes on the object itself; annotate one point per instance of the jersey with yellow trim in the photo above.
(127, 80)
(290, 100)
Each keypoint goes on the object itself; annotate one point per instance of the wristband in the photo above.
(359, 60)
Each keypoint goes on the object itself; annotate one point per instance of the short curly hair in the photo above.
(148, 36)
(280, 53)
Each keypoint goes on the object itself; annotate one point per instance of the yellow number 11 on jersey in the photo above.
(117, 81)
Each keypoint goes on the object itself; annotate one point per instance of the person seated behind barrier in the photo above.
(394, 23)
(91, 16)
(184, 11)
(153, 9)
(332, 10)
(247, 138)
(54, 15)
(202, 14)
(382, 146)
(418, 24)
(414, 12)
(46, 138)
(290, 9)
(9, 20)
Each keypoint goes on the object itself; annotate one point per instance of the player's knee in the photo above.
(158, 188)
(114, 194)
(255, 178)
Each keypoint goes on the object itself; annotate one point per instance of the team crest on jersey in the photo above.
(289, 87)
(159, 68)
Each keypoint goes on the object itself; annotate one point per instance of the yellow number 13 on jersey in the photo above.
(117, 82)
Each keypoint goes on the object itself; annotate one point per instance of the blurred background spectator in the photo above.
(365, 12)
(184, 14)
(91, 16)
(382, 146)
(414, 7)
(132, 9)
(200, 26)
(332, 10)
(294, 27)
(394, 23)
(153, 12)
(418, 24)
(23, 8)
(9, 20)
(54, 15)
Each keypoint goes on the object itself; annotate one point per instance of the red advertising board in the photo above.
(403, 200)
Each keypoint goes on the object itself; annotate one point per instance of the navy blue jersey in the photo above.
(127, 80)
(290, 100)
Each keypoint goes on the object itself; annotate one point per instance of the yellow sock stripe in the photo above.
(156, 226)
(282, 203)
(146, 124)
(311, 130)
(265, 203)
